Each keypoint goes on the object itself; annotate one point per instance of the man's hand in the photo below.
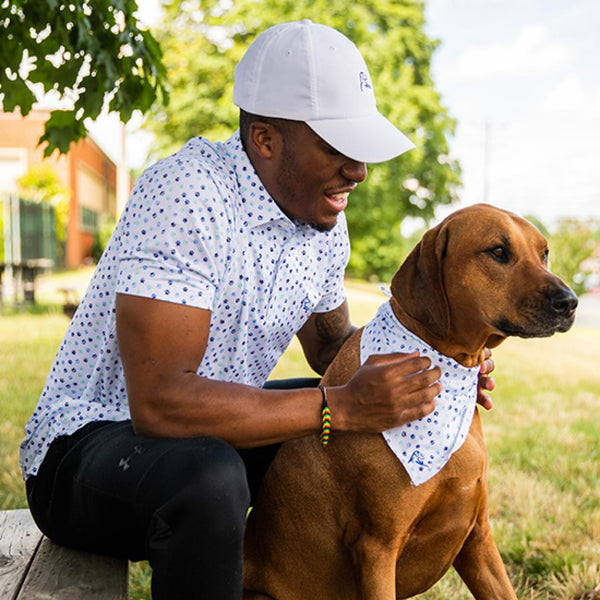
(486, 383)
(387, 391)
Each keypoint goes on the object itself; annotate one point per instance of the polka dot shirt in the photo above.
(425, 445)
(199, 229)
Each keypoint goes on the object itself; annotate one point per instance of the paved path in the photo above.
(588, 311)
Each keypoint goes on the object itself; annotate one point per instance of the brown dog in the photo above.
(345, 521)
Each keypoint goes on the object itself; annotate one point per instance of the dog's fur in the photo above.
(345, 522)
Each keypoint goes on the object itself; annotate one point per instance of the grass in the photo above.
(543, 439)
(544, 472)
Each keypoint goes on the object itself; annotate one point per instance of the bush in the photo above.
(101, 238)
(571, 245)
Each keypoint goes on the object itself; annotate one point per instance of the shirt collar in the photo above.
(258, 205)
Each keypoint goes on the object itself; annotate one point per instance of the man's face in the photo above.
(312, 180)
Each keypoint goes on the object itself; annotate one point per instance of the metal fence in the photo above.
(38, 230)
(27, 246)
(27, 230)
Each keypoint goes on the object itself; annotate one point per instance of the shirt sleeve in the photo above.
(174, 239)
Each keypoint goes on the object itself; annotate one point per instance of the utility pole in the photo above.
(487, 144)
(123, 180)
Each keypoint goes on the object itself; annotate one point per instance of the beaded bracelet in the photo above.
(325, 419)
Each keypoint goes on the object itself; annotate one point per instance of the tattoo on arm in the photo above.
(334, 328)
(333, 325)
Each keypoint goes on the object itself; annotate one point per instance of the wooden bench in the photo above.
(34, 568)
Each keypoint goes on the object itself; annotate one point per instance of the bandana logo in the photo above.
(417, 457)
(364, 81)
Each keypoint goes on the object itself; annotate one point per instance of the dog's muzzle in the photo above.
(550, 313)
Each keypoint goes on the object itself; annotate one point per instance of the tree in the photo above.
(92, 54)
(202, 40)
(571, 245)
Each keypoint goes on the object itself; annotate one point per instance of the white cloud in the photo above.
(596, 102)
(530, 70)
(531, 50)
(568, 95)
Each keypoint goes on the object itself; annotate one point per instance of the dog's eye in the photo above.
(499, 253)
(545, 256)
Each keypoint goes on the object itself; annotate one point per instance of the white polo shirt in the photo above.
(199, 229)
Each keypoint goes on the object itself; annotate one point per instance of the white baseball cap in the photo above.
(308, 72)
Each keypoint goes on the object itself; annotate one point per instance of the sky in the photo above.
(522, 79)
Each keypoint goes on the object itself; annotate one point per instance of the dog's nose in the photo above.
(563, 301)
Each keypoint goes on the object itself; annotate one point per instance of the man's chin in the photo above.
(320, 227)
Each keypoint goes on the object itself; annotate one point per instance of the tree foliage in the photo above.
(91, 53)
(42, 184)
(571, 245)
(202, 40)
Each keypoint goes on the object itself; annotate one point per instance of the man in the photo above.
(155, 426)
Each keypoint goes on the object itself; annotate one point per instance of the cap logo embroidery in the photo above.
(364, 81)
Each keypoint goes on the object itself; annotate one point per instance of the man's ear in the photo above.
(264, 139)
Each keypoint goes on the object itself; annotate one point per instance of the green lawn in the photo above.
(543, 437)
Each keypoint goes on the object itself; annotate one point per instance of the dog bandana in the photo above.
(425, 445)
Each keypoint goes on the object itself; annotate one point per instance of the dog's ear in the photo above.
(418, 286)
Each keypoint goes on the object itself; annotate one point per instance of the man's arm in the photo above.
(162, 344)
(323, 335)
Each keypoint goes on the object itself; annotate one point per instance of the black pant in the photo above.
(180, 503)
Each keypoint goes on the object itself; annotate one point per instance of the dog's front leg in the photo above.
(480, 565)
(375, 563)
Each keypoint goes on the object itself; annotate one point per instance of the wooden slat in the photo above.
(19, 538)
(65, 574)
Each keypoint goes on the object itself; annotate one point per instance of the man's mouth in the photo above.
(338, 201)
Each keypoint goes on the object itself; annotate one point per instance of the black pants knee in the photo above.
(180, 503)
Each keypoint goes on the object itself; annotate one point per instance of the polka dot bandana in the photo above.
(425, 445)
(201, 230)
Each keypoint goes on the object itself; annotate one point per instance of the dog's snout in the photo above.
(563, 301)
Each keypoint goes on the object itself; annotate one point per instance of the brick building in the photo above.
(86, 171)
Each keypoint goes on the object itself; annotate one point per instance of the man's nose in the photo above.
(354, 170)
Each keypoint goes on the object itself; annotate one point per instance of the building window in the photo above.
(88, 219)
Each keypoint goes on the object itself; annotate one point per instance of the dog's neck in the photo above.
(425, 445)
(467, 353)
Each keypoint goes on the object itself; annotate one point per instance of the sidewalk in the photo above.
(47, 287)
(588, 311)
(48, 291)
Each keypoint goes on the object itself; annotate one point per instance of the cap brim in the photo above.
(370, 139)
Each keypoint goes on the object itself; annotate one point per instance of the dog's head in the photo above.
(480, 276)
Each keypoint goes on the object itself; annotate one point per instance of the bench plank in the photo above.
(66, 574)
(19, 539)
